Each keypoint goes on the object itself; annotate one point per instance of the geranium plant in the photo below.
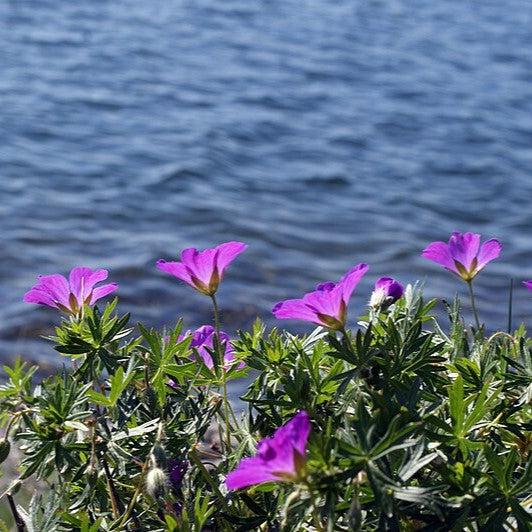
(383, 418)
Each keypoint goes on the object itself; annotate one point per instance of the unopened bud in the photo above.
(158, 456)
(156, 483)
(5, 447)
(92, 468)
(387, 291)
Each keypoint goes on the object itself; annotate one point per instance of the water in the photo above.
(322, 133)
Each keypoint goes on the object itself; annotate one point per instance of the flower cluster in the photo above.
(281, 457)
(397, 423)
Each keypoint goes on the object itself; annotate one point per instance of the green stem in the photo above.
(219, 368)
(473, 305)
(116, 503)
(510, 305)
(348, 344)
(216, 315)
(133, 500)
(315, 512)
(196, 459)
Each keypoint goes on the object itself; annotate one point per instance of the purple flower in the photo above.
(176, 473)
(463, 254)
(203, 340)
(387, 291)
(70, 296)
(203, 270)
(327, 305)
(279, 458)
(528, 284)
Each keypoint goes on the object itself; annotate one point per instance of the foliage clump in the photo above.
(399, 424)
(413, 428)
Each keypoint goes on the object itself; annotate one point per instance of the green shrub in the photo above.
(415, 426)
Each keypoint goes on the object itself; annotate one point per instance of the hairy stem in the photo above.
(133, 500)
(315, 511)
(19, 522)
(473, 304)
(219, 367)
(510, 306)
(196, 459)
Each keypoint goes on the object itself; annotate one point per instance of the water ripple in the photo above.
(323, 134)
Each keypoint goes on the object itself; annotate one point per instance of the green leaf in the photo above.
(456, 404)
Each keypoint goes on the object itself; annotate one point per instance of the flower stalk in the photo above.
(220, 370)
(473, 304)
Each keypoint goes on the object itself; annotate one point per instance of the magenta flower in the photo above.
(528, 284)
(463, 255)
(70, 296)
(279, 458)
(203, 341)
(387, 291)
(327, 305)
(203, 270)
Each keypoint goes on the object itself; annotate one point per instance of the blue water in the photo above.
(322, 133)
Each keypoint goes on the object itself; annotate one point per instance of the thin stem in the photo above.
(131, 506)
(473, 304)
(227, 415)
(116, 503)
(19, 522)
(133, 500)
(347, 343)
(510, 305)
(315, 512)
(195, 458)
(219, 367)
(216, 314)
(347, 340)
(14, 418)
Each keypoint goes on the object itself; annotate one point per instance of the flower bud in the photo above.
(158, 456)
(5, 447)
(176, 472)
(387, 291)
(156, 483)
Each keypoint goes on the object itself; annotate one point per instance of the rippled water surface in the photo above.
(322, 133)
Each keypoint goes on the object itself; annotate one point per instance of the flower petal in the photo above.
(200, 264)
(203, 341)
(249, 472)
(350, 280)
(528, 284)
(227, 253)
(296, 432)
(439, 252)
(275, 459)
(177, 269)
(102, 291)
(390, 287)
(295, 309)
(38, 296)
(82, 281)
(56, 286)
(489, 251)
(326, 303)
(464, 248)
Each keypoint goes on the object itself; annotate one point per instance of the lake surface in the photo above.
(321, 133)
